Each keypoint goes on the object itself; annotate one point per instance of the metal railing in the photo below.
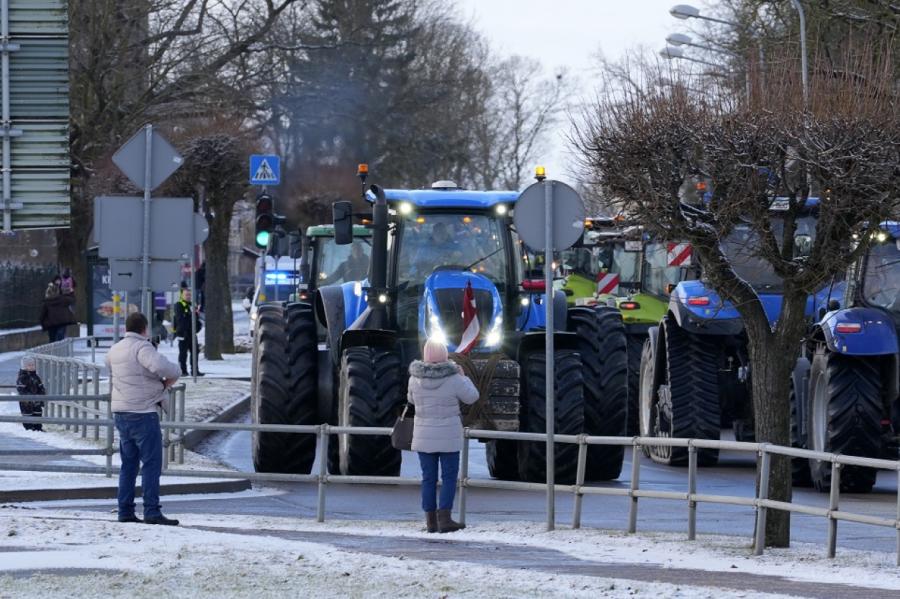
(760, 502)
(60, 349)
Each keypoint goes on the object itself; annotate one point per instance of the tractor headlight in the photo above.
(494, 338)
(405, 208)
(437, 333)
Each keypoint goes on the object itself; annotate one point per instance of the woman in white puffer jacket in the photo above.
(436, 386)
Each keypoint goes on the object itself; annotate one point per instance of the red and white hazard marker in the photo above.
(678, 254)
(607, 283)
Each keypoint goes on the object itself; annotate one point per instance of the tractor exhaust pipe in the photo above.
(378, 276)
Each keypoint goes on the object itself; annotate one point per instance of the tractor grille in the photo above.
(450, 309)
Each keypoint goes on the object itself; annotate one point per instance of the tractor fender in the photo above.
(368, 338)
(331, 315)
(690, 321)
(535, 341)
(876, 335)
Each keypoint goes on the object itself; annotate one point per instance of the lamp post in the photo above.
(804, 66)
(680, 39)
(686, 11)
(674, 52)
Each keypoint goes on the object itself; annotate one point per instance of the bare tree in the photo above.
(646, 146)
(134, 61)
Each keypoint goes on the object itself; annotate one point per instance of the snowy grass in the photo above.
(134, 560)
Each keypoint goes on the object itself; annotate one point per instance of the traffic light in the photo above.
(265, 219)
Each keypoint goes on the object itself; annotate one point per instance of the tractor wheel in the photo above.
(502, 459)
(800, 476)
(569, 413)
(648, 391)
(604, 356)
(274, 400)
(687, 403)
(844, 417)
(369, 396)
(635, 348)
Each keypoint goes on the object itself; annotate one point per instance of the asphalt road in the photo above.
(735, 475)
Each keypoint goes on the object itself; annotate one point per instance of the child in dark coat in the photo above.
(29, 383)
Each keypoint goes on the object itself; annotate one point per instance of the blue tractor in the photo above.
(432, 250)
(846, 382)
(695, 376)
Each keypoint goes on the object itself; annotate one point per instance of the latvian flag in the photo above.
(471, 328)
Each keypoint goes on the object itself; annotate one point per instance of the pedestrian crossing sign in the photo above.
(265, 169)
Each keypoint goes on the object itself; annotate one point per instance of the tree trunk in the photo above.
(219, 325)
(772, 357)
(72, 243)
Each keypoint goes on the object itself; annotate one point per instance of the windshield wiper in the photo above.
(480, 260)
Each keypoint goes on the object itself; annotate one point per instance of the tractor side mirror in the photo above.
(802, 245)
(342, 213)
(295, 245)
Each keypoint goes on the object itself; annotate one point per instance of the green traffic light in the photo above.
(262, 239)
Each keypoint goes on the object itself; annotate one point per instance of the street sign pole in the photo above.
(146, 297)
(116, 307)
(548, 361)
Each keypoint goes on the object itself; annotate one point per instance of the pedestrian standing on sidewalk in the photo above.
(186, 338)
(140, 377)
(436, 386)
(57, 311)
(29, 383)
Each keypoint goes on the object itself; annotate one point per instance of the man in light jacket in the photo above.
(140, 377)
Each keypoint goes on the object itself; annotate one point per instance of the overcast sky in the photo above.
(568, 33)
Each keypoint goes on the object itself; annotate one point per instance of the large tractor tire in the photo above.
(604, 356)
(502, 459)
(844, 417)
(370, 395)
(635, 348)
(569, 415)
(275, 400)
(648, 391)
(800, 475)
(687, 402)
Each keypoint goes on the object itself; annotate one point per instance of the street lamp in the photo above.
(674, 52)
(686, 11)
(804, 66)
(680, 39)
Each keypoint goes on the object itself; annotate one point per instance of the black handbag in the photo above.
(402, 433)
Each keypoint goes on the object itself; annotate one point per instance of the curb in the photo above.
(193, 438)
(225, 486)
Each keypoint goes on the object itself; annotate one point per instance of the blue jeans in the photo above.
(140, 444)
(449, 462)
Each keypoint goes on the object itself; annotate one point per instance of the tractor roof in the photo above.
(448, 198)
(328, 231)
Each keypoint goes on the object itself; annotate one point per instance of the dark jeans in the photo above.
(449, 462)
(140, 443)
(184, 348)
(56, 333)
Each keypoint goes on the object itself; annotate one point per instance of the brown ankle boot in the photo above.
(446, 524)
(431, 523)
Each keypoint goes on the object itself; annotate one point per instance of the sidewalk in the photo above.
(206, 400)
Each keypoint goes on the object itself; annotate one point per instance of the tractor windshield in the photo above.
(336, 264)
(881, 285)
(592, 261)
(741, 248)
(657, 274)
(452, 242)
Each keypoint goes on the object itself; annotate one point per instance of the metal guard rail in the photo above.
(761, 502)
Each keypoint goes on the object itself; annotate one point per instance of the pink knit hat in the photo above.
(434, 352)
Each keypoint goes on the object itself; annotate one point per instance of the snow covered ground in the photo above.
(43, 550)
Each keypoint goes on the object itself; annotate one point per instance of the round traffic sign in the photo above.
(568, 215)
